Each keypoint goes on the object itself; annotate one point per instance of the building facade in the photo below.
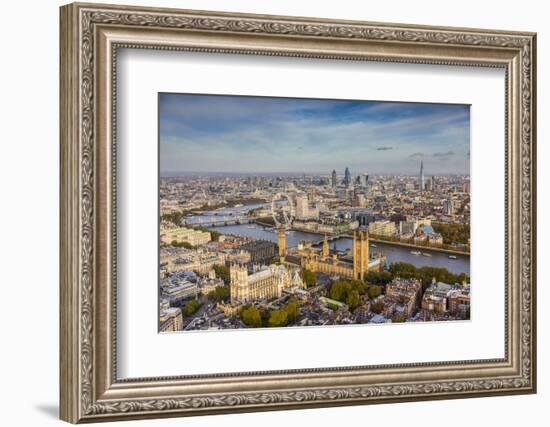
(177, 288)
(443, 298)
(303, 209)
(260, 250)
(347, 177)
(448, 207)
(170, 319)
(331, 264)
(421, 182)
(403, 296)
(267, 282)
(360, 254)
(185, 235)
(383, 228)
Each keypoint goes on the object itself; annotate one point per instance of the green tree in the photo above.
(277, 318)
(380, 278)
(453, 234)
(214, 235)
(292, 309)
(222, 272)
(342, 289)
(374, 291)
(309, 277)
(190, 308)
(377, 307)
(221, 293)
(353, 300)
(251, 317)
(185, 245)
(426, 274)
(339, 290)
(173, 217)
(359, 286)
(403, 269)
(264, 316)
(399, 318)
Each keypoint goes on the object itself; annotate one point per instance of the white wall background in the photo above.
(29, 170)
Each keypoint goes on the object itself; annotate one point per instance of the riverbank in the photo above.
(377, 240)
(393, 253)
(396, 243)
(232, 203)
(425, 248)
(264, 224)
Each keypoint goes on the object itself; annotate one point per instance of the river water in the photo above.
(393, 253)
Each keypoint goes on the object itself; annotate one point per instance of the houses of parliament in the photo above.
(332, 264)
(270, 281)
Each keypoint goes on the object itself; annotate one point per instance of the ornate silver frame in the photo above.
(90, 36)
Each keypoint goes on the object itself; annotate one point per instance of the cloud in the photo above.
(446, 154)
(252, 134)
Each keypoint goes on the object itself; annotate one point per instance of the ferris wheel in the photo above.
(282, 210)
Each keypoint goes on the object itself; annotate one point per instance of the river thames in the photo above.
(393, 253)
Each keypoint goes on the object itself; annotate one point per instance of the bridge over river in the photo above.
(217, 221)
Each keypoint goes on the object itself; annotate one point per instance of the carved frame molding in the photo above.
(90, 37)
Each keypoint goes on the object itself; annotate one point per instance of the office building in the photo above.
(176, 288)
(448, 208)
(421, 183)
(347, 177)
(185, 235)
(383, 228)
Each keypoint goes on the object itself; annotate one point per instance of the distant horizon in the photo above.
(236, 134)
(168, 174)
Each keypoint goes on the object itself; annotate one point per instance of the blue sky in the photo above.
(206, 133)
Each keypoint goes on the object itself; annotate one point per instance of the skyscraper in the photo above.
(302, 207)
(333, 181)
(429, 184)
(347, 177)
(421, 184)
(448, 207)
(364, 179)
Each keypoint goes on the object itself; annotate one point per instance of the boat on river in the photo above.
(415, 252)
(452, 256)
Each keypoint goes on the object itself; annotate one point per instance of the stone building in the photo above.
(332, 264)
(267, 282)
(170, 319)
(260, 250)
(404, 294)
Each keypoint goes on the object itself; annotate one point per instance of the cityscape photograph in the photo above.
(290, 212)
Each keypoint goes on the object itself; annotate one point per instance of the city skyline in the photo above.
(233, 134)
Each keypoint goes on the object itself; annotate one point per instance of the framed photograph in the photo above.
(265, 213)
